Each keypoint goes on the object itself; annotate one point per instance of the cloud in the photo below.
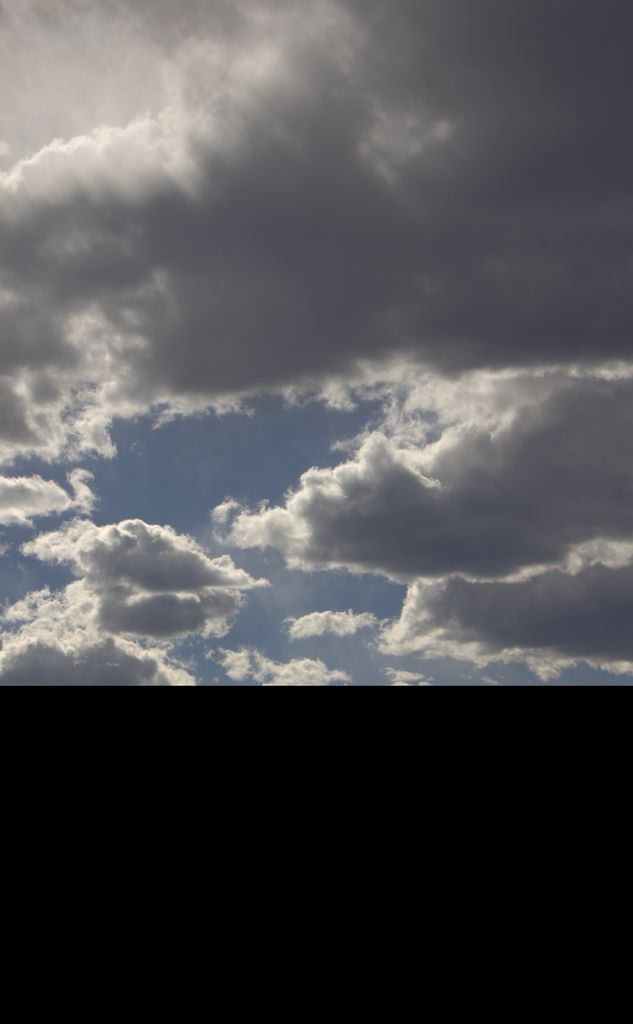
(507, 513)
(139, 589)
(23, 499)
(58, 643)
(401, 678)
(103, 66)
(423, 199)
(490, 496)
(550, 622)
(378, 178)
(247, 665)
(341, 624)
(148, 580)
(106, 663)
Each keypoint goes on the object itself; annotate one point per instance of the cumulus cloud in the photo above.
(488, 496)
(23, 499)
(248, 665)
(54, 640)
(508, 515)
(550, 622)
(341, 624)
(148, 580)
(139, 589)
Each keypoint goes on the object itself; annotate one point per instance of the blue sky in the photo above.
(177, 473)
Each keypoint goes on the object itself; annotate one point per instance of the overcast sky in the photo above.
(316, 342)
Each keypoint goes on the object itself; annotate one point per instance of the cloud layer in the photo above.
(422, 178)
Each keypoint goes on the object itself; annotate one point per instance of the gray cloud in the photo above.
(550, 621)
(147, 580)
(509, 516)
(485, 500)
(587, 615)
(138, 588)
(14, 425)
(103, 664)
(57, 639)
(271, 195)
(437, 179)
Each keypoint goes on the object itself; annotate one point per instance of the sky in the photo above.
(316, 342)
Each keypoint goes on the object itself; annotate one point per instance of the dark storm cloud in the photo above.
(447, 179)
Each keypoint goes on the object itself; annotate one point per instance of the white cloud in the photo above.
(247, 665)
(105, 68)
(341, 624)
(125, 163)
(23, 499)
(401, 678)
